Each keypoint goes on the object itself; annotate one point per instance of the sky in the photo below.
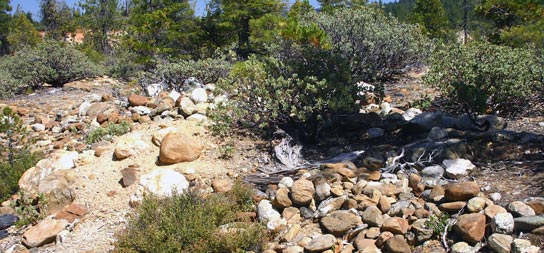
(33, 5)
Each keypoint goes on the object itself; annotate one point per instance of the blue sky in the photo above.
(33, 5)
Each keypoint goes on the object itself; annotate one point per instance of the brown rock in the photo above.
(453, 206)
(373, 216)
(395, 225)
(291, 215)
(493, 210)
(339, 222)
(130, 175)
(22, 111)
(461, 191)
(302, 192)
(97, 108)
(321, 243)
(137, 100)
(384, 236)
(72, 212)
(130, 145)
(282, 199)
(471, 227)
(384, 204)
(537, 205)
(362, 243)
(179, 147)
(43, 233)
(397, 244)
(222, 185)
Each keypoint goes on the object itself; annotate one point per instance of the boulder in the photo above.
(302, 192)
(7, 220)
(159, 135)
(130, 144)
(528, 223)
(500, 243)
(395, 225)
(44, 232)
(397, 244)
(457, 168)
(130, 175)
(163, 182)
(179, 147)
(435, 171)
(321, 243)
(187, 107)
(60, 160)
(518, 208)
(269, 216)
(373, 216)
(282, 199)
(339, 222)
(476, 204)
(57, 189)
(461, 191)
(221, 185)
(97, 108)
(72, 212)
(471, 227)
(503, 223)
(199, 95)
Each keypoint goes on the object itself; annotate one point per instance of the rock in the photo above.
(495, 197)
(537, 204)
(503, 223)
(461, 191)
(435, 171)
(362, 243)
(291, 214)
(221, 185)
(330, 205)
(38, 127)
(382, 238)
(321, 243)
(187, 107)
(163, 182)
(131, 144)
(159, 135)
(453, 206)
(44, 232)
(493, 210)
(302, 192)
(71, 213)
(282, 199)
(57, 189)
(374, 132)
(197, 118)
(130, 175)
(292, 249)
(463, 247)
(500, 243)
(60, 160)
(153, 89)
(471, 227)
(93, 97)
(373, 216)
(518, 208)
(423, 122)
(339, 222)
(97, 108)
(174, 95)
(395, 225)
(476, 204)
(397, 244)
(141, 110)
(528, 223)
(179, 147)
(199, 95)
(286, 182)
(458, 168)
(524, 246)
(423, 233)
(411, 113)
(266, 214)
(203, 108)
(7, 220)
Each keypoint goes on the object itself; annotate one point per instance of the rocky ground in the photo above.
(370, 203)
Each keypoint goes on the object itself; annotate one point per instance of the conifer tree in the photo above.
(430, 14)
(100, 17)
(22, 32)
(5, 18)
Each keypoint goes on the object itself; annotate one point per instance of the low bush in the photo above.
(190, 222)
(29, 209)
(50, 62)
(375, 45)
(110, 130)
(174, 75)
(479, 77)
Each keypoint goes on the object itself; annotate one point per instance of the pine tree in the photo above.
(430, 14)
(330, 5)
(238, 15)
(57, 18)
(161, 28)
(100, 17)
(5, 18)
(22, 32)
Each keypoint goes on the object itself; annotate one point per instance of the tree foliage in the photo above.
(4, 26)
(101, 18)
(22, 32)
(57, 18)
(430, 14)
(160, 28)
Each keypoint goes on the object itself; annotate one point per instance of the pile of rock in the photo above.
(350, 209)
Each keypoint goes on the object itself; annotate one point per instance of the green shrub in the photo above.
(122, 64)
(29, 209)
(175, 74)
(9, 86)
(375, 45)
(110, 130)
(263, 94)
(15, 151)
(480, 76)
(190, 222)
(50, 62)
